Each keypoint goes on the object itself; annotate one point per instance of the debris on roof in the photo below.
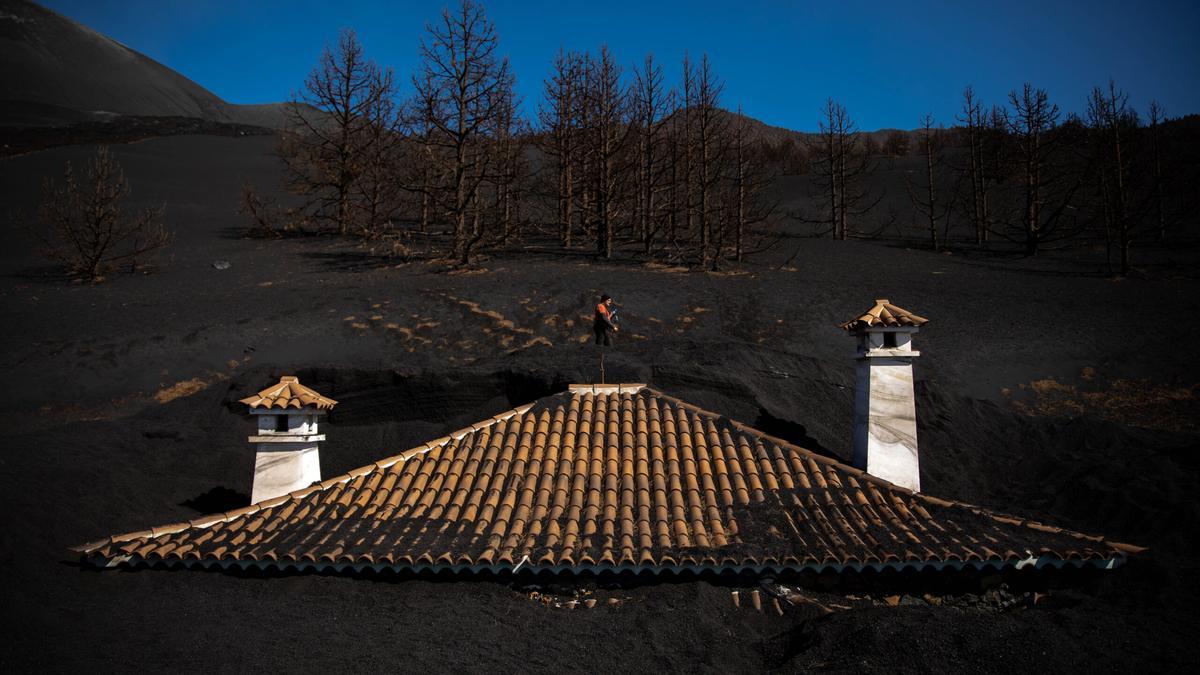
(629, 480)
(288, 393)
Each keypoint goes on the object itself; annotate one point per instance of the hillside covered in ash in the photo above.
(1049, 385)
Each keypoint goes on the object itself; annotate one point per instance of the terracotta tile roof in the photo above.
(612, 479)
(288, 393)
(885, 314)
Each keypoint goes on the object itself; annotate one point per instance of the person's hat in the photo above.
(605, 297)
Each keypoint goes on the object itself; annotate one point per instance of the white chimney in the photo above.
(885, 412)
(287, 456)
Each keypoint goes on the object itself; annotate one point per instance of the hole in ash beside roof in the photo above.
(373, 397)
(792, 432)
(217, 500)
(522, 387)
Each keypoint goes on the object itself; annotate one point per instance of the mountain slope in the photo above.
(57, 71)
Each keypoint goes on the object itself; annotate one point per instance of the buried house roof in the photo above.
(885, 315)
(617, 477)
(288, 393)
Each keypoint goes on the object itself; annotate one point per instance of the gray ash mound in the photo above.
(175, 460)
(119, 405)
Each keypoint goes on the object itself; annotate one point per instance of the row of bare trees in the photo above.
(366, 162)
(624, 161)
(465, 137)
(841, 161)
(1024, 174)
(664, 170)
(620, 161)
(1017, 165)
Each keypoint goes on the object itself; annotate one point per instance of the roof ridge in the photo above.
(212, 519)
(859, 473)
(613, 388)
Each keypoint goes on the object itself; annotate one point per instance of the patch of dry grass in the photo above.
(533, 341)
(669, 269)
(498, 320)
(1140, 403)
(185, 388)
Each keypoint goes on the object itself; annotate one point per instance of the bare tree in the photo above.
(1113, 122)
(324, 146)
(823, 147)
(607, 129)
(896, 143)
(1046, 187)
(711, 129)
(376, 191)
(262, 212)
(870, 146)
(420, 163)
(650, 105)
(675, 173)
(687, 151)
(996, 160)
(558, 117)
(461, 88)
(508, 177)
(925, 198)
(1155, 113)
(748, 181)
(976, 125)
(841, 167)
(584, 155)
(790, 156)
(85, 228)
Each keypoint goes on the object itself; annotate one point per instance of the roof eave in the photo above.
(1020, 564)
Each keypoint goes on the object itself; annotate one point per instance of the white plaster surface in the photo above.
(286, 460)
(885, 421)
(281, 468)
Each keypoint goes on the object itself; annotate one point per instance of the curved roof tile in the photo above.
(884, 315)
(288, 393)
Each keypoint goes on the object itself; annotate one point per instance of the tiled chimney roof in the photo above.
(617, 479)
(886, 315)
(289, 393)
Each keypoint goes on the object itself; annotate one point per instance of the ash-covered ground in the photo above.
(1045, 389)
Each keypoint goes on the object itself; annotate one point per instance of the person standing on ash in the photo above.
(605, 323)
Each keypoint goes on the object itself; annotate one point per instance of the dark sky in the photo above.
(888, 62)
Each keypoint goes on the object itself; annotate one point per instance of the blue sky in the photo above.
(888, 62)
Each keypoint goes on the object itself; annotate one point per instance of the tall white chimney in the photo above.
(885, 411)
(287, 456)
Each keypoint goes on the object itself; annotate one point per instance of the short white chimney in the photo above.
(885, 411)
(287, 456)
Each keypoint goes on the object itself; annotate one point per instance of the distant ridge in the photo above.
(55, 71)
(759, 131)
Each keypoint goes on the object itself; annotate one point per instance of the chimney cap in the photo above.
(288, 393)
(884, 315)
